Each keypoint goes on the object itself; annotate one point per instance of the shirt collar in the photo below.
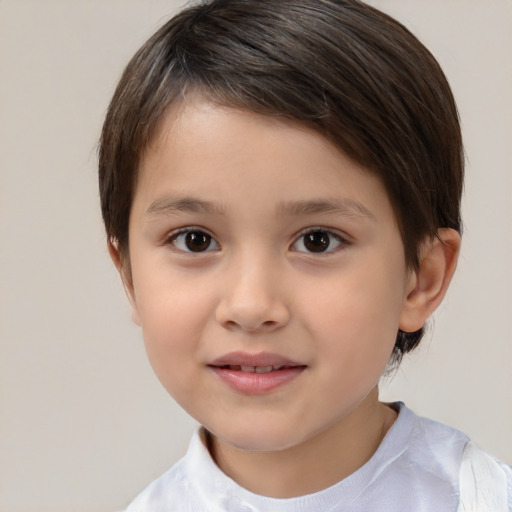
(220, 493)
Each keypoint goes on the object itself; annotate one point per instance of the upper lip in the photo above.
(248, 359)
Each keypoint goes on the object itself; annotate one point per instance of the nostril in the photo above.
(246, 326)
(254, 316)
(230, 324)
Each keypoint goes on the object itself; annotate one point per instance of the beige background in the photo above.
(84, 424)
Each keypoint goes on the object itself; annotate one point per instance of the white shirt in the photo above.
(417, 468)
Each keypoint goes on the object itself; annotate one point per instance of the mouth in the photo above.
(256, 374)
(254, 369)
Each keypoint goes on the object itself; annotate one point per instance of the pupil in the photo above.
(318, 241)
(197, 241)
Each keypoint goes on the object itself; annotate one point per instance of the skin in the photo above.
(255, 185)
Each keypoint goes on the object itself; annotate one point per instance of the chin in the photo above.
(261, 443)
(258, 437)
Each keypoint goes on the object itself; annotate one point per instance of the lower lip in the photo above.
(252, 383)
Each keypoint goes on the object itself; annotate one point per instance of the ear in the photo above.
(428, 284)
(123, 266)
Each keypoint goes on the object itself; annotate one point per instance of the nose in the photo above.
(253, 299)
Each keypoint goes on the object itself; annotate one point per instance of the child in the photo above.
(280, 184)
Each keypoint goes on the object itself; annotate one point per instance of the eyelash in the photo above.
(340, 240)
(190, 230)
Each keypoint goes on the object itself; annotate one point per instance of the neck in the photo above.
(316, 463)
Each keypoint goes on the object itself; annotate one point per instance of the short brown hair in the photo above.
(342, 67)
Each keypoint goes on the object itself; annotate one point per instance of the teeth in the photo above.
(263, 369)
(256, 369)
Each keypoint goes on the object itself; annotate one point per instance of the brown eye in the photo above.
(318, 241)
(194, 241)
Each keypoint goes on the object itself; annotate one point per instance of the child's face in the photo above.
(257, 243)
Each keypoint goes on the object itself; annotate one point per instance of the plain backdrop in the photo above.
(84, 424)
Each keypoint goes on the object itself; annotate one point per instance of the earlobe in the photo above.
(123, 267)
(428, 284)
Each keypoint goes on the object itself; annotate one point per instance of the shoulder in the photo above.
(179, 489)
(485, 483)
(168, 488)
(443, 460)
(418, 465)
(433, 451)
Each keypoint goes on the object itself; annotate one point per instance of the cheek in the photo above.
(173, 316)
(356, 316)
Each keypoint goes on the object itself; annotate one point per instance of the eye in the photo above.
(193, 240)
(318, 241)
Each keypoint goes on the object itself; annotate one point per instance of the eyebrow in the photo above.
(342, 206)
(188, 204)
(175, 205)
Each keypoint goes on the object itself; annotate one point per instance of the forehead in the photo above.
(225, 154)
(209, 126)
